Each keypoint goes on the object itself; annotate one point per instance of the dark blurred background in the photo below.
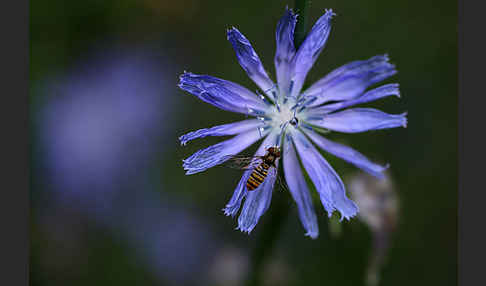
(110, 204)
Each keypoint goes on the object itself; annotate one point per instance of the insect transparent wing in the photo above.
(281, 183)
(241, 162)
(272, 174)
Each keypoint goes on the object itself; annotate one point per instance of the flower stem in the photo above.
(301, 8)
(278, 213)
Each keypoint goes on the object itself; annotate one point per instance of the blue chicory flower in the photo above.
(291, 118)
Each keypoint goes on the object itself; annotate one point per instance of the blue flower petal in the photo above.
(371, 95)
(256, 203)
(346, 153)
(258, 200)
(356, 120)
(217, 154)
(299, 190)
(240, 192)
(222, 93)
(250, 61)
(309, 50)
(285, 50)
(328, 184)
(232, 207)
(350, 80)
(222, 130)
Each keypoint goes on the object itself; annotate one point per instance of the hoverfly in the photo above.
(262, 166)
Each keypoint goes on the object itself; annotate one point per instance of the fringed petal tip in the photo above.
(183, 140)
(289, 12)
(200, 134)
(323, 23)
(227, 212)
(393, 89)
(183, 73)
(348, 218)
(187, 83)
(231, 210)
(384, 168)
(186, 164)
(386, 58)
(329, 211)
(229, 31)
(350, 215)
(233, 34)
(329, 13)
(383, 61)
(179, 84)
(346, 213)
(190, 171)
(404, 119)
(191, 164)
(244, 229)
(379, 173)
(184, 76)
(312, 234)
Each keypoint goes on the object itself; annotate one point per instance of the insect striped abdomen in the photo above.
(257, 176)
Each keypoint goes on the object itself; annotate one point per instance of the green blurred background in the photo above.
(177, 234)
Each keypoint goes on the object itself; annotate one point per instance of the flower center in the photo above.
(284, 115)
(294, 121)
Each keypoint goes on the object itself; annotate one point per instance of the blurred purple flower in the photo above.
(379, 206)
(102, 124)
(100, 130)
(288, 116)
